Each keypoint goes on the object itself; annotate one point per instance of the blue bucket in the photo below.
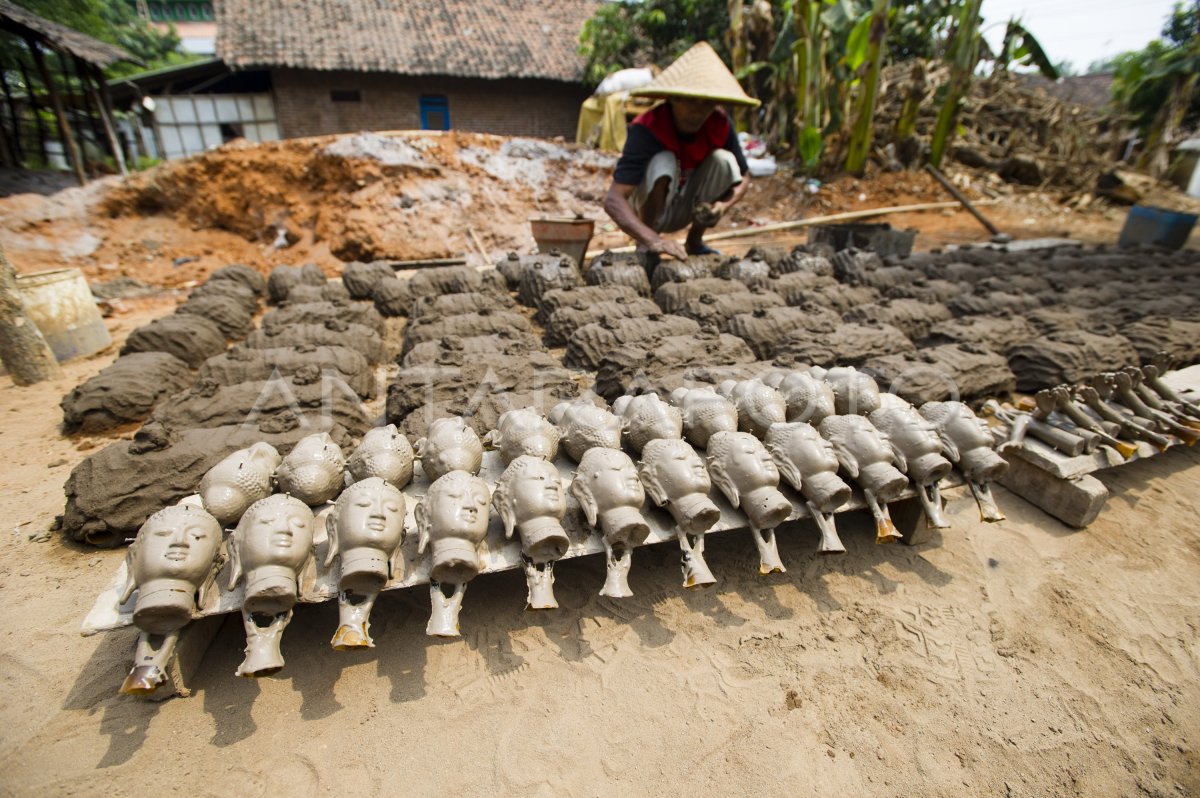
(1156, 226)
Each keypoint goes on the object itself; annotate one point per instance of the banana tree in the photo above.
(964, 55)
(866, 45)
(809, 53)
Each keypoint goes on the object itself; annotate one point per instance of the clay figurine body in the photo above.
(704, 412)
(365, 530)
(384, 453)
(807, 462)
(169, 564)
(313, 471)
(758, 405)
(742, 468)
(854, 392)
(271, 548)
(530, 500)
(607, 487)
(808, 398)
(585, 426)
(452, 521)
(970, 445)
(919, 451)
(867, 457)
(524, 432)
(449, 445)
(647, 418)
(238, 481)
(675, 478)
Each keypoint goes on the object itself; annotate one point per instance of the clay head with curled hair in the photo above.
(529, 497)
(365, 528)
(742, 468)
(675, 477)
(271, 545)
(452, 520)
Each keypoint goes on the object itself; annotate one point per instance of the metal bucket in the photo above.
(569, 235)
(60, 303)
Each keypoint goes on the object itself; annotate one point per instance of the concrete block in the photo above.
(1075, 502)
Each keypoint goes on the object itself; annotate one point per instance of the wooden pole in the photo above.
(24, 351)
(64, 127)
(37, 113)
(114, 143)
(958, 195)
(18, 150)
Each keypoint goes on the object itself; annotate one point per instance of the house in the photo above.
(493, 66)
(193, 20)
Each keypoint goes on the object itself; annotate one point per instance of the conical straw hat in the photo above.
(698, 73)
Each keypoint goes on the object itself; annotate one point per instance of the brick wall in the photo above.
(514, 107)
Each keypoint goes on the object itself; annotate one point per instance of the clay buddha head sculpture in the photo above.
(854, 392)
(969, 443)
(646, 418)
(808, 398)
(270, 551)
(676, 478)
(449, 445)
(524, 432)
(530, 500)
(585, 426)
(452, 520)
(365, 530)
(807, 461)
(384, 453)
(704, 412)
(608, 489)
(170, 565)
(742, 468)
(866, 456)
(918, 451)
(238, 481)
(312, 471)
(758, 405)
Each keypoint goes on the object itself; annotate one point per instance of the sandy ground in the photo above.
(1021, 658)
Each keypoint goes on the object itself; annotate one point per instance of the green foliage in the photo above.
(1020, 48)
(632, 33)
(115, 22)
(1145, 80)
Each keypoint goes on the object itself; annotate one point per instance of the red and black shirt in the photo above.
(654, 131)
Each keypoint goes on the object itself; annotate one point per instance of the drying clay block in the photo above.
(168, 564)
(365, 529)
(271, 547)
(449, 445)
(331, 332)
(607, 487)
(125, 391)
(192, 339)
(238, 481)
(360, 279)
(452, 521)
(312, 472)
(283, 279)
(758, 405)
(742, 468)
(530, 500)
(866, 457)
(675, 477)
(647, 418)
(232, 318)
(524, 432)
(307, 362)
(704, 413)
(383, 453)
(243, 275)
(585, 426)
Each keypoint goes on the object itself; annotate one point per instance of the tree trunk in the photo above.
(22, 348)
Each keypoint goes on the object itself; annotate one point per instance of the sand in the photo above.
(1021, 658)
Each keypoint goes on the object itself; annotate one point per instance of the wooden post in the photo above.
(64, 127)
(18, 150)
(37, 113)
(86, 100)
(105, 110)
(24, 351)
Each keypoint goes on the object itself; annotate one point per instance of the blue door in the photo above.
(435, 112)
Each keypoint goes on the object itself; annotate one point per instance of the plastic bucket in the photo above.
(60, 303)
(1146, 224)
(568, 235)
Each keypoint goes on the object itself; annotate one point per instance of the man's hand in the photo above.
(667, 246)
(707, 214)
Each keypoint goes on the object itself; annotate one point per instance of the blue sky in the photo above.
(1080, 31)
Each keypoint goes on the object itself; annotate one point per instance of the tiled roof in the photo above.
(22, 22)
(475, 38)
(1092, 91)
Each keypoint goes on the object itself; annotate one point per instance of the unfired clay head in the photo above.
(607, 487)
(758, 405)
(808, 462)
(238, 481)
(808, 398)
(865, 455)
(449, 445)
(525, 431)
(647, 418)
(384, 453)
(742, 468)
(585, 426)
(854, 392)
(530, 499)
(913, 438)
(312, 472)
(452, 520)
(168, 562)
(676, 478)
(271, 546)
(365, 529)
(704, 412)
(967, 440)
